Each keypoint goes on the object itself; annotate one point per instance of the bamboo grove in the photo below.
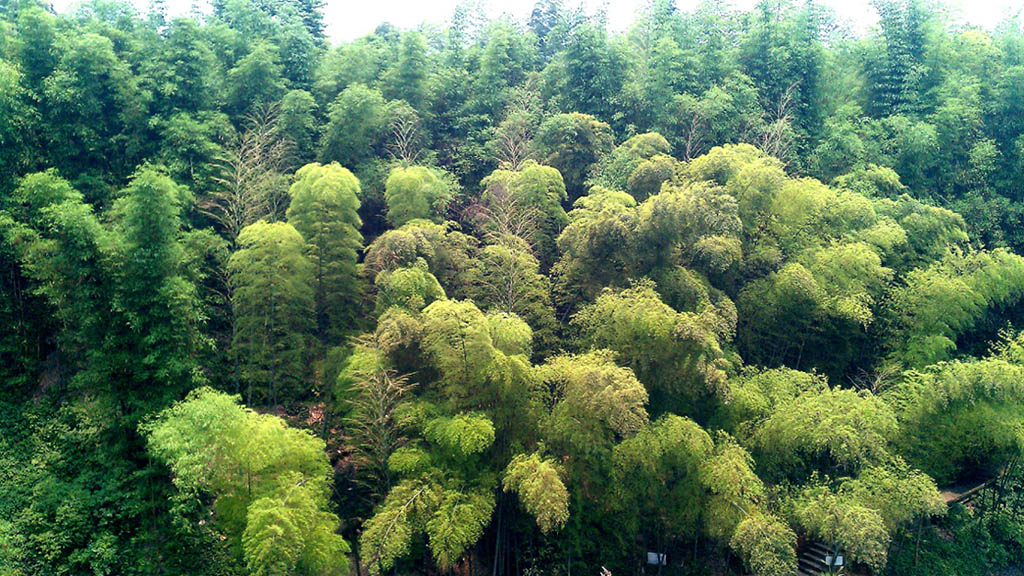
(510, 297)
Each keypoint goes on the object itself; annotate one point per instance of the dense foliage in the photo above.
(509, 297)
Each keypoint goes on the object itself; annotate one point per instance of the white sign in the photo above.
(656, 559)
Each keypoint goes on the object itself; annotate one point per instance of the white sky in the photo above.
(350, 19)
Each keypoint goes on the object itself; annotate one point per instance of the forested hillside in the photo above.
(510, 297)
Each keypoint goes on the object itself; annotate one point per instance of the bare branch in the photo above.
(514, 142)
(375, 428)
(251, 180)
(501, 214)
(776, 136)
(404, 145)
(694, 140)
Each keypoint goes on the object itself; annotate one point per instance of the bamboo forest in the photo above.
(736, 289)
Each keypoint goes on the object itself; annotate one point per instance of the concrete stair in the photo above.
(811, 561)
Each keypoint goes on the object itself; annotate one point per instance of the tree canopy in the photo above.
(726, 290)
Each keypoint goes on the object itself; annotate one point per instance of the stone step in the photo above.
(810, 565)
(811, 561)
(818, 547)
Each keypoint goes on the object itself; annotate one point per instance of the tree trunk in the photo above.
(497, 539)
